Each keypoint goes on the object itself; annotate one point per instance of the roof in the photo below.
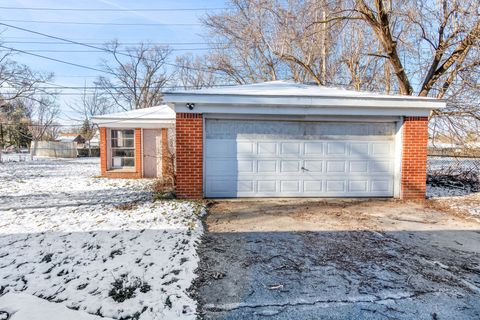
(69, 134)
(70, 137)
(289, 93)
(157, 117)
(290, 88)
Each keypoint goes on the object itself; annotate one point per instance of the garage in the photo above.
(289, 139)
(261, 158)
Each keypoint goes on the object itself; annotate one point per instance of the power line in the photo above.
(111, 9)
(100, 41)
(105, 23)
(57, 60)
(95, 47)
(96, 51)
(60, 87)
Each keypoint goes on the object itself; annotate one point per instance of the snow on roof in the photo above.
(162, 112)
(290, 88)
(141, 118)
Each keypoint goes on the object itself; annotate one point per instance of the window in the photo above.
(123, 148)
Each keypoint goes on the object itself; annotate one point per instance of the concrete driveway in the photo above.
(311, 259)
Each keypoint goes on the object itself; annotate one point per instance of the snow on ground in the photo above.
(22, 306)
(458, 199)
(96, 245)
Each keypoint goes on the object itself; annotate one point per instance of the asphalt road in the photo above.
(350, 274)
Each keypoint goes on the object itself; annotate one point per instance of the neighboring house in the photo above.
(71, 137)
(132, 143)
(95, 141)
(279, 139)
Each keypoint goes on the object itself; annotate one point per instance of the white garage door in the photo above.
(245, 158)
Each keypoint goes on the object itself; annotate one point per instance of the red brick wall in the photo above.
(414, 158)
(103, 151)
(138, 170)
(189, 155)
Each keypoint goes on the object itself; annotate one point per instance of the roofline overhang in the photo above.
(309, 101)
(133, 123)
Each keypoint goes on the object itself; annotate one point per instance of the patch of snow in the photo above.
(21, 306)
(96, 245)
(437, 192)
(462, 200)
(17, 157)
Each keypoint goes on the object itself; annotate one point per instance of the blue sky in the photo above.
(97, 34)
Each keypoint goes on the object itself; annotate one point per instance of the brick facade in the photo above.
(414, 158)
(136, 173)
(189, 155)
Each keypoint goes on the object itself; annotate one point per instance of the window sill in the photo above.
(122, 170)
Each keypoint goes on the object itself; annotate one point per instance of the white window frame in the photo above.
(112, 149)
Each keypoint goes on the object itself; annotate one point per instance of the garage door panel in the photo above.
(383, 166)
(289, 166)
(245, 166)
(245, 186)
(338, 166)
(336, 186)
(336, 148)
(313, 166)
(245, 148)
(360, 166)
(220, 186)
(221, 148)
(358, 185)
(359, 149)
(290, 148)
(266, 166)
(267, 148)
(274, 161)
(313, 148)
(290, 186)
(267, 186)
(381, 149)
(380, 185)
(221, 167)
(312, 186)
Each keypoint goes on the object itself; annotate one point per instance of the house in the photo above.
(132, 142)
(71, 137)
(280, 139)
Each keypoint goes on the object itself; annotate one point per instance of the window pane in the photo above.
(128, 162)
(128, 143)
(123, 153)
(120, 162)
(123, 148)
(123, 138)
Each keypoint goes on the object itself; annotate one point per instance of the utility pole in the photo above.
(324, 47)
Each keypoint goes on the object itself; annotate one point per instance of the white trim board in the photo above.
(302, 110)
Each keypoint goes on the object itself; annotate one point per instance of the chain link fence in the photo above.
(454, 172)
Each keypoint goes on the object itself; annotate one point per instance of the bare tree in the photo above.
(90, 104)
(18, 80)
(43, 113)
(241, 38)
(193, 72)
(138, 75)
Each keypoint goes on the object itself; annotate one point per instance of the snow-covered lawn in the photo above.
(95, 245)
(461, 200)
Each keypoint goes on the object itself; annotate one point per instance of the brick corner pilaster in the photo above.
(189, 155)
(414, 158)
(103, 151)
